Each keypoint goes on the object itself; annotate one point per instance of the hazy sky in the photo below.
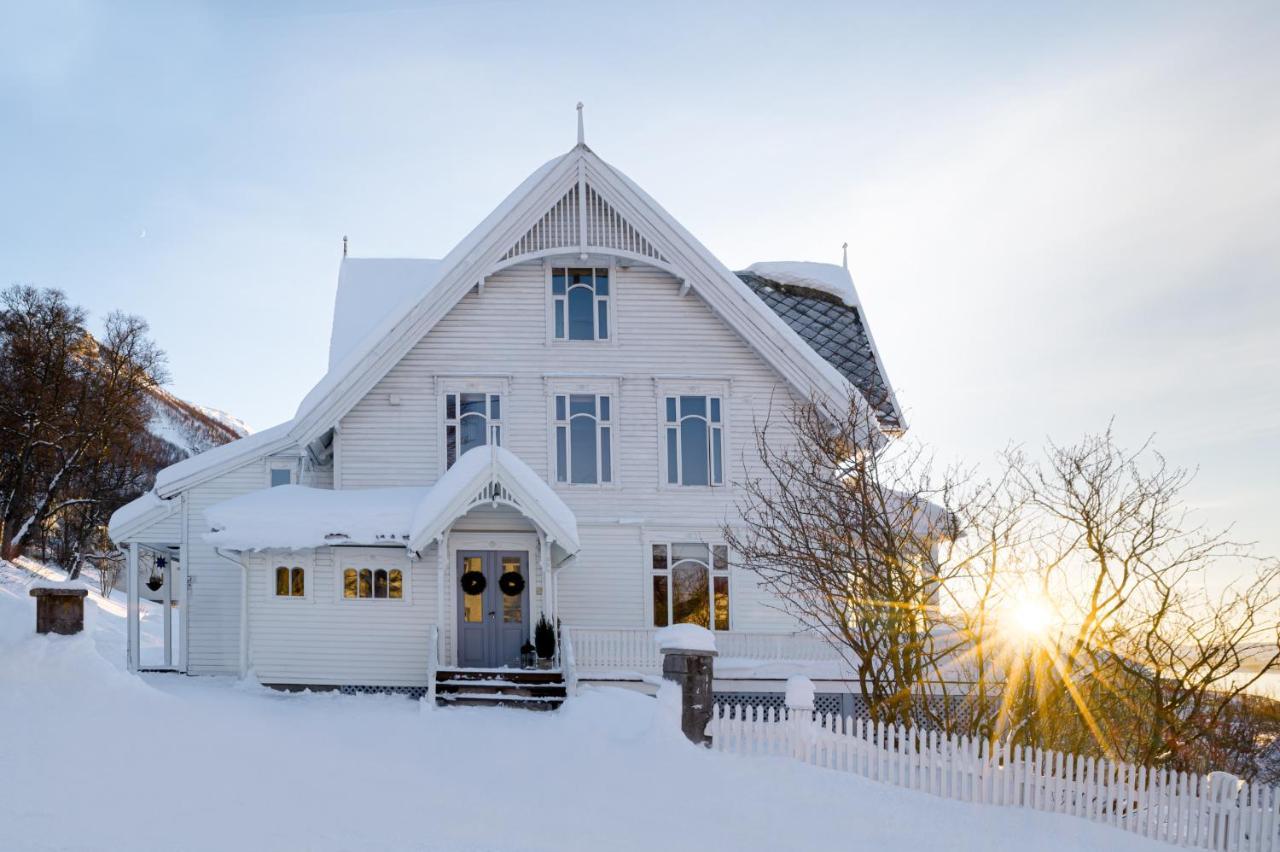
(1056, 213)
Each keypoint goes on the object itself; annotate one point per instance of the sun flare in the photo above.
(1030, 618)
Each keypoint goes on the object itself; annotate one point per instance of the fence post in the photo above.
(800, 715)
(687, 653)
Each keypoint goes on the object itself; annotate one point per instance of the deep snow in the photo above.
(93, 758)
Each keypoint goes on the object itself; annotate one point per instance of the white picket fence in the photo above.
(1213, 812)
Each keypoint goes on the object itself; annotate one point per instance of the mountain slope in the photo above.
(191, 429)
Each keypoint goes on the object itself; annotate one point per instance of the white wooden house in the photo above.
(557, 411)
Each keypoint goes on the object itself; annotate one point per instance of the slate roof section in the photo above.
(836, 332)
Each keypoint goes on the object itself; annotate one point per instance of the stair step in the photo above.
(508, 675)
(498, 698)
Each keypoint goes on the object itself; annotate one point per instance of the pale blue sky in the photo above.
(1056, 213)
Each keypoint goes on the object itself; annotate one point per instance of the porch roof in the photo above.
(297, 517)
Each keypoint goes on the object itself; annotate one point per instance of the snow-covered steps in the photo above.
(533, 690)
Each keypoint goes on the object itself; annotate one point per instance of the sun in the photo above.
(1029, 618)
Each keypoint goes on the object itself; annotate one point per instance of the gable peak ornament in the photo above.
(581, 134)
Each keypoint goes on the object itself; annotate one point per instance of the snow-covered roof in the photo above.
(297, 517)
(818, 302)
(170, 480)
(136, 515)
(370, 290)
(826, 277)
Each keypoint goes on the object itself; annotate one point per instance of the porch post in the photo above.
(548, 591)
(442, 565)
(131, 610)
(168, 610)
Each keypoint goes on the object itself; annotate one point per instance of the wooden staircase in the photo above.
(533, 689)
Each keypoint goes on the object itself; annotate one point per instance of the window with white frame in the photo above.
(281, 473)
(471, 419)
(694, 434)
(372, 583)
(580, 303)
(291, 581)
(690, 582)
(584, 438)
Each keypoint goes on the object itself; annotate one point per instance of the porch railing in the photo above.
(633, 649)
(433, 663)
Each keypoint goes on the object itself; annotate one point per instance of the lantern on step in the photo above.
(528, 656)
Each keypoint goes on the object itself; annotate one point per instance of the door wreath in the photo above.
(511, 583)
(473, 582)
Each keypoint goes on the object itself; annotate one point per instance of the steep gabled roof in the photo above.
(834, 327)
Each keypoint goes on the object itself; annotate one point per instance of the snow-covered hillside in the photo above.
(191, 428)
(209, 763)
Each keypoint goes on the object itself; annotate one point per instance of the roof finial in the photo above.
(846, 255)
(344, 245)
(581, 135)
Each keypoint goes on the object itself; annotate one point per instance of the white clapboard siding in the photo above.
(213, 607)
(1200, 812)
(323, 638)
(392, 437)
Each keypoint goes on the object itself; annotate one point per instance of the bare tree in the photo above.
(852, 539)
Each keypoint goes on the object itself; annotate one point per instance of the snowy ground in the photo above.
(92, 758)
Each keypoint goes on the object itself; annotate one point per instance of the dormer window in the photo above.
(580, 303)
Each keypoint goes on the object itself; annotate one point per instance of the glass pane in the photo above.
(512, 605)
(660, 600)
(690, 550)
(580, 276)
(366, 583)
(495, 406)
(397, 585)
(349, 583)
(602, 319)
(604, 408)
(471, 403)
(659, 557)
(559, 311)
(380, 583)
(281, 476)
(282, 581)
(557, 283)
(693, 406)
(717, 469)
(606, 460)
(581, 326)
(560, 408)
(451, 406)
(299, 583)
(720, 557)
(715, 409)
(673, 465)
(671, 409)
(473, 429)
(602, 282)
(562, 457)
(472, 605)
(582, 448)
(450, 445)
(690, 597)
(693, 452)
(582, 403)
(722, 603)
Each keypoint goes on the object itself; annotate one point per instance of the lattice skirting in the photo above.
(414, 692)
(842, 704)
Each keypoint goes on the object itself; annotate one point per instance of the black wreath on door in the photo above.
(511, 583)
(473, 582)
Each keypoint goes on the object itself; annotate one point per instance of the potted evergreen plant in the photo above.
(544, 640)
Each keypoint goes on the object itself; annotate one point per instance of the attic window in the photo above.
(580, 303)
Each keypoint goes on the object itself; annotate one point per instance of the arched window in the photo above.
(584, 438)
(691, 584)
(373, 584)
(470, 420)
(580, 304)
(290, 582)
(695, 440)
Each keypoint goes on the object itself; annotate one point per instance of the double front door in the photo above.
(493, 607)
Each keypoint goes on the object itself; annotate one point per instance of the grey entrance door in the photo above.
(492, 622)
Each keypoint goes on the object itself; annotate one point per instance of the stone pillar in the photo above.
(59, 610)
(691, 670)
